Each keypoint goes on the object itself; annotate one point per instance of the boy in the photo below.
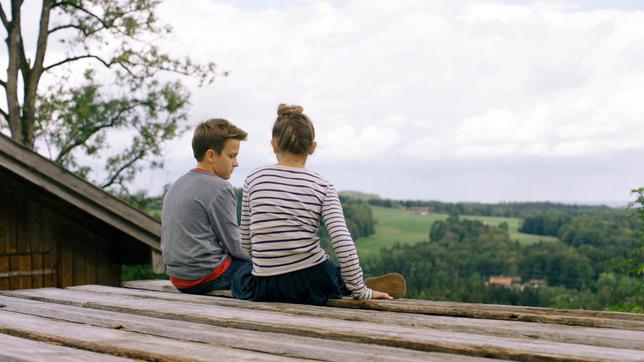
(200, 237)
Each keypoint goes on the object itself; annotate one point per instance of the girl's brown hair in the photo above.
(293, 130)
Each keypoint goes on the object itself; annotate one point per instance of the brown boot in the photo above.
(392, 284)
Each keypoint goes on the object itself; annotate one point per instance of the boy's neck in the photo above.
(205, 167)
(291, 160)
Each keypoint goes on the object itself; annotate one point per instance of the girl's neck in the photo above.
(291, 160)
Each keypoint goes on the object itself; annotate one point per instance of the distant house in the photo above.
(507, 281)
(515, 281)
(419, 210)
(57, 230)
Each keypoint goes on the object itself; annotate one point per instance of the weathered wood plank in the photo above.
(66, 263)
(115, 274)
(89, 248)
(4, 268)
(535, 310)
(49, 246)
(22, 261)
(158, 266)
(423, 339)
(103, 267)
(502, 312)
(119, 342)
(22, 349)
(35, 240)
(567, 334)
(12, 210)
(4, 236)
(4, 219)
(267, 342)
(79, 256)
(160, 285)
(598, 319)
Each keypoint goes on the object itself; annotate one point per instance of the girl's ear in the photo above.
(276, 149)
(312, 147)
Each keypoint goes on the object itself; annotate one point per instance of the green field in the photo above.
(399, 225)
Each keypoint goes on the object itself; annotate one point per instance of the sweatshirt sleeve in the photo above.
(222, 212)
(342, 243)
(244, 226)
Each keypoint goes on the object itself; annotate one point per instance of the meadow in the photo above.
(399, 225)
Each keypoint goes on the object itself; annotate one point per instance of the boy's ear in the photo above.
(312, 147)
(209, 155)
(276, 149)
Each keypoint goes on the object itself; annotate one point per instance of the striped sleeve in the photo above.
(342, 243)
(244, 223)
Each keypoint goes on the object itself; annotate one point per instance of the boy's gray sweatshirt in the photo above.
(199, 227)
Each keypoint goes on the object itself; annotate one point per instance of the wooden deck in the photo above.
(149, 320)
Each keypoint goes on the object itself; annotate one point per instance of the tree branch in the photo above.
(82, 9)
(42, 38)
(3, 16)
(77, 27)
(32, 75)
(13, 44)
(4, 115)
(73, 59)
(127, 165)
(67, 26)
(66, 149)
(107, 20)
(24, 63)
(3, 84)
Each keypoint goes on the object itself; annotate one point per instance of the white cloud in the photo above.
(348, 143)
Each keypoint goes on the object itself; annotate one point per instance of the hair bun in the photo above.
(284, 109)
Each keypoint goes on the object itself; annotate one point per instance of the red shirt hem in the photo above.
(183, 284)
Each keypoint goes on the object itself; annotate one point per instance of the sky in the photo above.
(487, 101)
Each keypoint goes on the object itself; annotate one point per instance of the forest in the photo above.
(596, 261)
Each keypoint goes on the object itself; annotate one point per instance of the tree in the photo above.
(127, 84)
(635, 264)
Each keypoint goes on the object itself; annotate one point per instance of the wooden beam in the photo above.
(19, 273)
(272, 343)
(548, 332)
(118, 342)
(572, 317)
(158, 266)
(23, 349)
(421, 339)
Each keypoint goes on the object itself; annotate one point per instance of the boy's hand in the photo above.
(380, 295)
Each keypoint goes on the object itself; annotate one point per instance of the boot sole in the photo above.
(393, 284)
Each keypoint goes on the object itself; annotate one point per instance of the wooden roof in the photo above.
(59, 182)
(149, 320)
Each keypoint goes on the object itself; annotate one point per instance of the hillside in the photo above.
(399, 225)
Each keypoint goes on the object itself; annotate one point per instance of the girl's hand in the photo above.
(380, 295)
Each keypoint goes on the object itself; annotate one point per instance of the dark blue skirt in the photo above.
(314, 285)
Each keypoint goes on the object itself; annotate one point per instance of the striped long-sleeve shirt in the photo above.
(282, 208)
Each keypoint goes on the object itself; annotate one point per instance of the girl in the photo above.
(282, 207)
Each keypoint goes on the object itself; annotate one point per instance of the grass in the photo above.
(399, 225)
